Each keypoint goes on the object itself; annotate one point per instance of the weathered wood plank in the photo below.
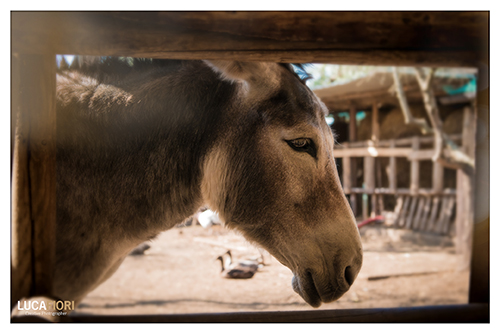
(445, 204)
(374, 205)
(346, 175)
(422, 314)
(424, 154)
(437, 177)
(404, 212)
(479, 290)
(436, 202)
(411, 213)
(36, 95)
(376, 199)
(426, 213)
(353, 129)
(41, 71)
(400, 142)
(364, 206)
(373, 151)
(451, 38)
(375, 124)
(369, 173)
(447, 217)
(392, 174)
(369, 183)
(465, 195)
(417, 224)
(397, 210)
(414, 169)
(380, 205)
(21, 258)
(404, 191)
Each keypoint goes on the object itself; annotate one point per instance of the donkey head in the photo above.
(273, 177)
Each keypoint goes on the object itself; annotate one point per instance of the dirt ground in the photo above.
(180, 274)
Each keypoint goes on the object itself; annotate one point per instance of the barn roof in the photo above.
(378, 88)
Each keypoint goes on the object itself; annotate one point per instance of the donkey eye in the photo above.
(303, 145)
(299, 143)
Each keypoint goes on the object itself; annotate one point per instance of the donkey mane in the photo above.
(299, 70)
(114, 68)
(100, 67)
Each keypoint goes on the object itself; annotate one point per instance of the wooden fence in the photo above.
(426, 209)
(264, 36)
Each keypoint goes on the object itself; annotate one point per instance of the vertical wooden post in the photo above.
(346, 172)
(444, 213)
(404, 211)
(417, 223)
(354, 164)
(33, 176)
(437, 189)
(21, 259)
(479, 290)
(437, 178)
(392, 170)
(479, 283)
(397, 211)
(415, 168)
(465, 188)
(431, 223)
(364, 206)
(410, 217)
(376, 164)
(375, 124)
(425, 216)
(447, 217)
(369, 179)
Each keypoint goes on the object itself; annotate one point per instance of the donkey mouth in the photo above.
(314, 295)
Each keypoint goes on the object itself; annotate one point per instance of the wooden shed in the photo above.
(422, 194)
(450, 39)
(378, 88)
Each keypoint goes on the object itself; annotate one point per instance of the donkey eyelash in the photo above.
(303, 145)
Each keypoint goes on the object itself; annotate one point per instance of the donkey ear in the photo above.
(254, 73)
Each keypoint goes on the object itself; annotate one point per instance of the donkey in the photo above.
(142, 144)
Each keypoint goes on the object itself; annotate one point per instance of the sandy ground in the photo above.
(180, 274)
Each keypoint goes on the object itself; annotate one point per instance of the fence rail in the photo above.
(428, 209)
(397, 142)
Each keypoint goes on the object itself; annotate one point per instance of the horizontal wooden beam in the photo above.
(372, 151)
(464, 313)
(383, 38)
(398, 142)
(403, 191)
(412, 155)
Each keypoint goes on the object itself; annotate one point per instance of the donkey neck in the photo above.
(149, 150)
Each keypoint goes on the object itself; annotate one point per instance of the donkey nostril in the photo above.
(349, 275)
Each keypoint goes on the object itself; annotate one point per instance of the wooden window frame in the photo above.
(461, 39)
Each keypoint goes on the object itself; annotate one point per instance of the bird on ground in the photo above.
(239, 270)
